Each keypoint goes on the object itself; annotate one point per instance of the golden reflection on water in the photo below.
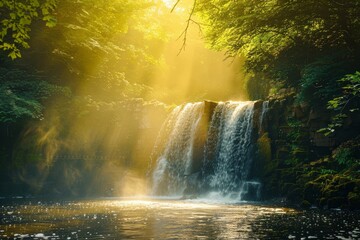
(146, 218)
(132, 219)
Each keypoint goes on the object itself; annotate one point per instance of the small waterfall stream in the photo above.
(227, 152)
(264, 110)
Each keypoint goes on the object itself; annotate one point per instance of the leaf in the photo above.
(13, 55)
(51, 22)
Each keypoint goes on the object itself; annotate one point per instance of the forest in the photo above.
(179, 119)
(86, 84)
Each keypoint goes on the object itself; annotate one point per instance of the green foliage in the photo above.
(319, 79)
(93, 38)
(16, 19)
(296, 142)
(257, 87)
(304, 44)
(351, 94)
(296, 129)
(344, 157)
(269, 27)
(327, 171)
(345, 105)
(22, 95)
(102, 30)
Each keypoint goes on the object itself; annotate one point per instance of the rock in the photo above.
(312, 191)
(336, 202)
(313, 115)
(323, 202)
(201, 136)
(298, 112)
(320, 140)
(354, 200)
(305, 204)
(295, 195)
(264, 147)
(282, 153)
(257, 114)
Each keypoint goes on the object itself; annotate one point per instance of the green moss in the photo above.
(264, 147)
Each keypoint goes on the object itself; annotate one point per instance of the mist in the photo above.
(97, 139)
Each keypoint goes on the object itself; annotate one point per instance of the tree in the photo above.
(16, 19)
(22, 95)
(346, 105)
(288, 40)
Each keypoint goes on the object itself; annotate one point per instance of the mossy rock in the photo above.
(288, 187)
(264, 147)
(324, 178)
(332, 193)
(288, 175)
(271, 185)
(354, 200)
(283, 153)
(339, 186)
(312, 174)
(347, 186)
(341, 180)
(300, 154)
(323, 162)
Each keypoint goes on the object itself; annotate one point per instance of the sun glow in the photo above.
(101, 139)
(169, 3)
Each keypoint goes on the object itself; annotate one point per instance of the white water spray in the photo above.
(174, 162)
(227, 158)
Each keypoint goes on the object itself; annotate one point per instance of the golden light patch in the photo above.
(169, 3)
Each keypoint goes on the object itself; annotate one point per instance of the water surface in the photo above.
(169, 219)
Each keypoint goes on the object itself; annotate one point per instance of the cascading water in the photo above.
(264, 110)
(226, 157)
(174, 162)
(228, 150)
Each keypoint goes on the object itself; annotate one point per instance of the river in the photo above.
(146, 218)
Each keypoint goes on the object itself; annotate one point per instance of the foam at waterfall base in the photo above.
(250, 190)
(217, 198)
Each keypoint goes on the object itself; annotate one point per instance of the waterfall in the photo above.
(175, 159)
(229, 149)
(264, 110)
(226, 157)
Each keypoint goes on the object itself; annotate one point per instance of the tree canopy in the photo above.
(16, 20)
(307, 44)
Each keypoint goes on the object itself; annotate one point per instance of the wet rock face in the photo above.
(302, 158)
(201, 136)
